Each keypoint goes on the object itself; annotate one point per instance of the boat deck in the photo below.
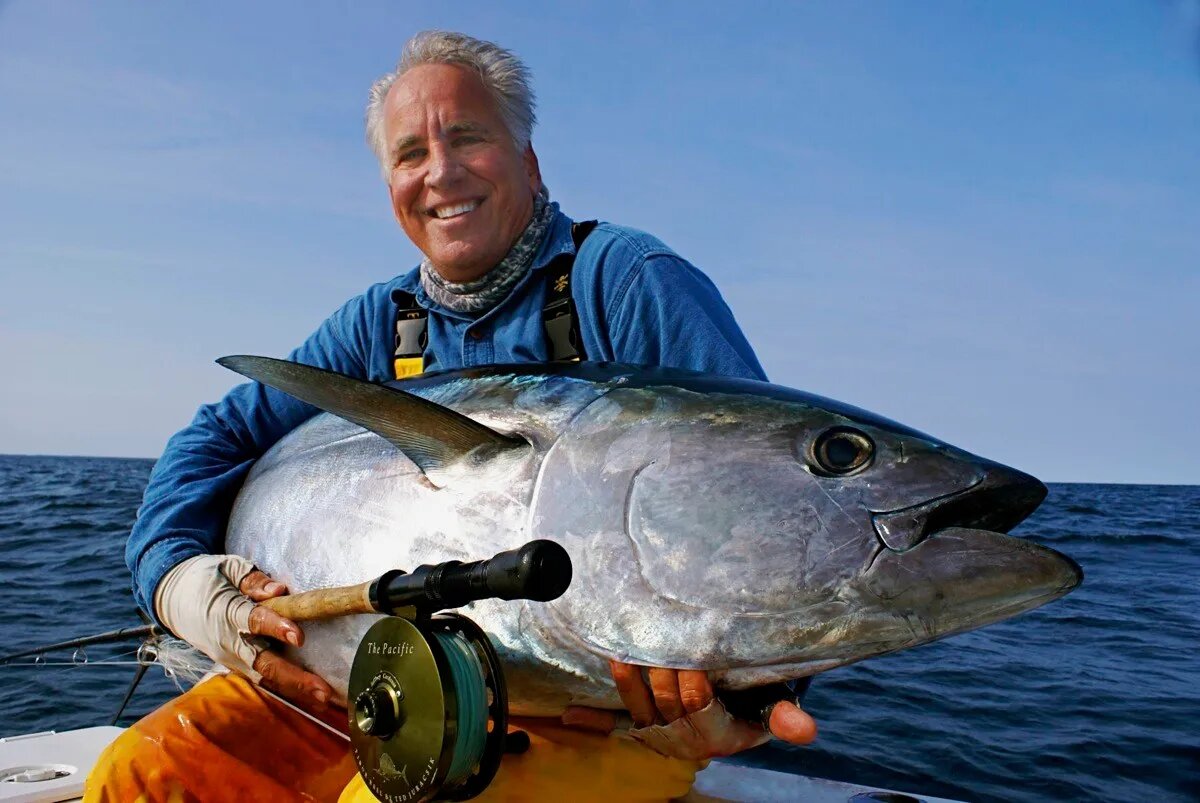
(51, 766)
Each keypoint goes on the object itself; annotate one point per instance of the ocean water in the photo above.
(1095, 697)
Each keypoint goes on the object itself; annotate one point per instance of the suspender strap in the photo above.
(412, 334)
(560, 318)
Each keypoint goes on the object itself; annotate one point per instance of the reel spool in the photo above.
(429, 709)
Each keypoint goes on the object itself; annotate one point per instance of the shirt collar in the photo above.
(558, 241)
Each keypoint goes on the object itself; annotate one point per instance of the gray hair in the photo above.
(504, 75)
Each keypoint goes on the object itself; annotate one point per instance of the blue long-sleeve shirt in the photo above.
(638, 302)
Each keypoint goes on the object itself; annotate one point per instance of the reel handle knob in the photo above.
(540, 571)
(377, 710)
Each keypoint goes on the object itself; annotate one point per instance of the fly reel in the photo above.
(429, 709)
(428, 705)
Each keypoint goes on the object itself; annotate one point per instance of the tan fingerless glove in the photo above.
(711, 731)
(199, 601)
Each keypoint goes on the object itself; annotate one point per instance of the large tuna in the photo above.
(740, 527)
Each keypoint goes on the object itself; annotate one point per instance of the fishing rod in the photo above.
(540, 571)
(124, 634)
(145, 657)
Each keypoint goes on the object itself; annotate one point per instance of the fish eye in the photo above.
(842, 450)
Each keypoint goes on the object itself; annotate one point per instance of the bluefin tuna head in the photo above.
(768, 534)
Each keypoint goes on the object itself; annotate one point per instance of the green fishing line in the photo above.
(471, 693)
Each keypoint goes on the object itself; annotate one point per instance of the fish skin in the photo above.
(702, 533)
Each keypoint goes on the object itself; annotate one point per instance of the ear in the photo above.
(532, 169)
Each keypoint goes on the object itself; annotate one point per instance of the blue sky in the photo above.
(980, 219)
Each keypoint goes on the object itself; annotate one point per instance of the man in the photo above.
(451, 128)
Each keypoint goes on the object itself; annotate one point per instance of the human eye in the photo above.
(410, 156)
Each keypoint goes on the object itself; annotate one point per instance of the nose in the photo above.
(444, 167)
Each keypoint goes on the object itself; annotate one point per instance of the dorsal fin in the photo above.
(430, 435)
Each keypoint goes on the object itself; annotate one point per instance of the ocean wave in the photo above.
(1121, 539)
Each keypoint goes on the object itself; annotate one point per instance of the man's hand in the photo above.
(677, 714)
(209, 601)
(278, 673)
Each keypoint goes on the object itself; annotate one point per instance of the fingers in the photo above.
(258, 586)
(695, 690)
(696, 727)
(279, 674)
(634, 693)
(671, 694)
(233, 568)
(664, 686)
(265, 622)
(282, 676)
(792, 724)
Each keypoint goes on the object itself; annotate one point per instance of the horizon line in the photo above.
(1048, 482)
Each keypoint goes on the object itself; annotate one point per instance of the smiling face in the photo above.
(460, 189)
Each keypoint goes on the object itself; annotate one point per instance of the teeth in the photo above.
(444, 212)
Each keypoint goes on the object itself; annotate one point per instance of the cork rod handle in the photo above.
(323, 603)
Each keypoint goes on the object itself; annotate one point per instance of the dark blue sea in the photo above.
(1095, 697)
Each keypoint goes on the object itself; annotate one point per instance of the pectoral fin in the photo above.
(430, 435)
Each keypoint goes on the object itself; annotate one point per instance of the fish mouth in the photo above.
(959, 579)
(999, 501)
